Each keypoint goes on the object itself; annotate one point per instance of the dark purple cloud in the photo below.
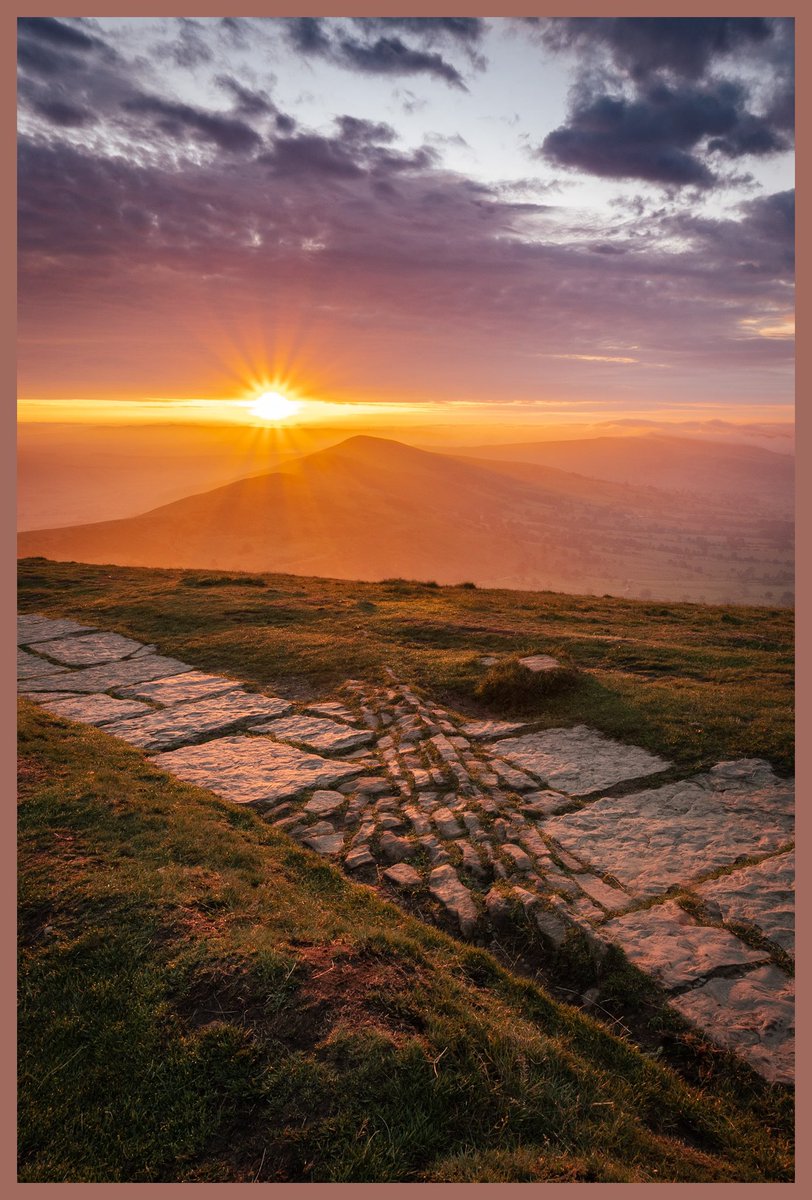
(640, 46)
(663, 135)
(55, 33)
(383, 55)
(182, 120)
(466, 30)
(651, 105)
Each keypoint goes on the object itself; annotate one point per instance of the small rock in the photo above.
(324, 803)
(403, 876)
(445, 886)
(394, 849)
(518, 856)
(358, 858)
(447, 823)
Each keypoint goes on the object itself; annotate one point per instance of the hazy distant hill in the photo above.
(762, 477)
(371, 508)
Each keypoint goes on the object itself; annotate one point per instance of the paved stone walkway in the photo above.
(480, 820)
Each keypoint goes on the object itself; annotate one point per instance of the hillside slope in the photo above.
(373, 508)
(236, 1011)
(761, 478)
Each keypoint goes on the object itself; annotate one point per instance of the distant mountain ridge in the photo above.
(370, 507)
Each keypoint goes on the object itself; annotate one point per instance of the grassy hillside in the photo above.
(200, 1000)
(696, 683)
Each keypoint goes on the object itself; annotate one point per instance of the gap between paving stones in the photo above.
(459, 818)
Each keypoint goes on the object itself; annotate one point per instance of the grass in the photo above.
(695, 683)
(201, 1000)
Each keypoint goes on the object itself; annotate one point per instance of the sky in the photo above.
(443, 217)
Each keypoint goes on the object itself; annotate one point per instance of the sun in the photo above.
(274, 406)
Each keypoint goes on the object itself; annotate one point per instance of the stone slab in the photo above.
(324, 804)
(95, 709)
(668, 944)
(317, 733)
(611, 898)
(32, 627)
(169, 728)
(178, 689)
(333, 709)
(680, 832)
(762, 895)
(113, 676)
(89, 649)
(254, 770)
(402, 875)
(483, 731)
(578, 760)
(31, 667)
(540, 662)
(754, 1016)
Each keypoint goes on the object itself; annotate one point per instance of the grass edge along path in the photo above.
(697, 684)
(201, 1000)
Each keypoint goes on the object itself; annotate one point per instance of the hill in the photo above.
(371, 508)
(761, 479)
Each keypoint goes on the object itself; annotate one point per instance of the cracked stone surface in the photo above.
(762, 895)
(319, 733)
(30, 667)
(31, 627)
(175, 726)
(477, 812)
(611, 898)
(89, 649)
(99, 709)
(679, 832)
(112, 676)
(754, 1016)
(333, 709)
(177, 689)
(667, 944)
(250, 770)
(579, 760)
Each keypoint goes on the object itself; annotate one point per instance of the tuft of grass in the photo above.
(512, 687)
(203, 1001)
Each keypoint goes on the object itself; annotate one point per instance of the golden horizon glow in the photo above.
(274, 406)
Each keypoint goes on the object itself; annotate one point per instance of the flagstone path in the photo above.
(482, 821)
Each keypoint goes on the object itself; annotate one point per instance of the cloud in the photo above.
(182, 120)
(650, 102)
(418, 253)
(141, 215)
(466, 30)
(640, 46)
(662, 136)
(60, 112)
(56, 33)
(383, 55)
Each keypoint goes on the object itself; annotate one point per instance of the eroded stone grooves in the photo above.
(476, 818)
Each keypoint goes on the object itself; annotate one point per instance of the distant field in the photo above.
(696, 683)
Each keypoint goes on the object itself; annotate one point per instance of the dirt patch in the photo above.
(326, 987)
